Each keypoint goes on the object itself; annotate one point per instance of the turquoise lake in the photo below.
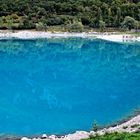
(58, 86)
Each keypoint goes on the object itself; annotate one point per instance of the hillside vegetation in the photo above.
(117, 136)
(71, 15)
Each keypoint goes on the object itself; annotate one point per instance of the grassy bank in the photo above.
(117, 136)
(85, 29)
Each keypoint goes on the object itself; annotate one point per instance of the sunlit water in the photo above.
(58, 86)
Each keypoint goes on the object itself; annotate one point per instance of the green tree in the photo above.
(95, 127)
(76, 26)
(99, 14)
(136, 25)
(1, 22)
(41, 26)
(101, 25)
(118, 17)
(15, 18)
(27, 13)
(129, 23)
(10, 22)
(109, 20)
(25, 23)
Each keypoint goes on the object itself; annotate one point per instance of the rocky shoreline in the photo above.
(27, 34)
(132, 125)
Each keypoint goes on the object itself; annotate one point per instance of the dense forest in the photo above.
(69, 14)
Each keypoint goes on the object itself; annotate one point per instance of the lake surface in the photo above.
(58, 86)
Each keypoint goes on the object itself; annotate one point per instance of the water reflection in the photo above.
(77, 80)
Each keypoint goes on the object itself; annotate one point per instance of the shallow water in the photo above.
(57, 86)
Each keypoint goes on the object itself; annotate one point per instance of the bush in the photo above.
(95, 127)
(101, 25)
(129, 23)
(16, 18)
(116, 136)
(75, 27)
(10, 22)
(41, 26)
(54, 21)
(25, 23)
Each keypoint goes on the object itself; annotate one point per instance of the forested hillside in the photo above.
(71, 14)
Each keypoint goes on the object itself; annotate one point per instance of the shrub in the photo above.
(129, 23)
(75, 27)
(41, 26)
(116, 136)
(54, 21)
(101, 25)
(95, 127)
(25, 23)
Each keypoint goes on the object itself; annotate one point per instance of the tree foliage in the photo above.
(27, 14)
(130, 23)
(101, 25)
(76, 26)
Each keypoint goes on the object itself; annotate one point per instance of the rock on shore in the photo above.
(132, 125)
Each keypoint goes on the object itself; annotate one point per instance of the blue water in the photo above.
(57, 86)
